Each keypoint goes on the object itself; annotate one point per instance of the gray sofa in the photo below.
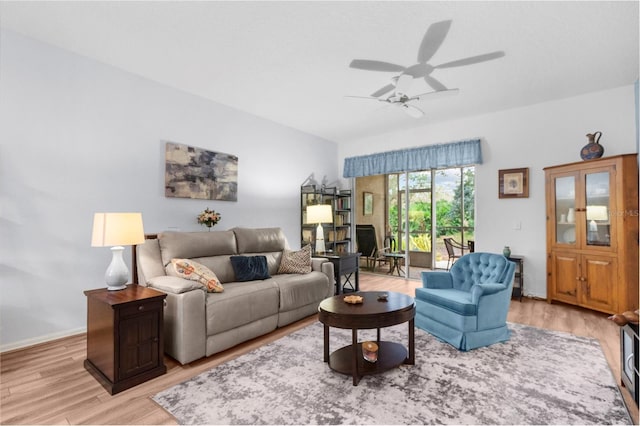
(199, 324)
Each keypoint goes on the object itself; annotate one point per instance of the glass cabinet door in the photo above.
(597, 202)
(565, 209)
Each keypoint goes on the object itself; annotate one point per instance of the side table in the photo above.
(518, 280)
(394, 262)
(124, 336)
(345, 265)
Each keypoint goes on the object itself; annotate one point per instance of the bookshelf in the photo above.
(337, 235)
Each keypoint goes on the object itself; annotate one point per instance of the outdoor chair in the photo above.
(451, 245)
(467, 306)
(367, 242)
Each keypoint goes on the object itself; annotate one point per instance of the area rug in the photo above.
(537, 377)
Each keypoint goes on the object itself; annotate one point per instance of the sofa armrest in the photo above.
(175, 285)
(185, 335)
(323, 265)
(437, 279)
(485, 289)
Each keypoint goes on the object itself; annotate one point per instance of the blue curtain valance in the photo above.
(454, 154)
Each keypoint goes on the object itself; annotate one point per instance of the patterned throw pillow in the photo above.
(296, 262)
(190, 270)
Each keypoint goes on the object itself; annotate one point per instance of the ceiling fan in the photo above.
(400, 99)
(431, 42)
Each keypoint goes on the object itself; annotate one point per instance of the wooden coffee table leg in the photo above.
(326, 343)
(354, 366)
(411, 360)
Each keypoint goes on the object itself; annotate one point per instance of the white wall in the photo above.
(536, 136)
(78, 137)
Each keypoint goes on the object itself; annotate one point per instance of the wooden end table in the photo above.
(372, 313)
(124, 336)
(345, 265)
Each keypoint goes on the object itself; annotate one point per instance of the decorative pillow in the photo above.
(249, 268)
(187, 268)
(296, 262)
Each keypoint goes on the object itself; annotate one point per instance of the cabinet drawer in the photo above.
(138, 308)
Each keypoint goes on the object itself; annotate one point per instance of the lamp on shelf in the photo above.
(595, 213)
(117, 230)
(319, 213)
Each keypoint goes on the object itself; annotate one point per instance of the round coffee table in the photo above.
(372, 313)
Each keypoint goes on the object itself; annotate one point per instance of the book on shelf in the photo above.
(337, 235)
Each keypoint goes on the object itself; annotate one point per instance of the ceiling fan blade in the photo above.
(414, 112)
(383, 90)
(472, 60)
(434, 95)
(366, 64)
(432, 40)
(435, 84)
(361, 97)
(402, 84)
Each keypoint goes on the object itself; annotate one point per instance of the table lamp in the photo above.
(117, 230)
(595, 213)
(319, 213)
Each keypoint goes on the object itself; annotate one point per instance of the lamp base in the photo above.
(117, 273)
(320, 239)
(116, 288)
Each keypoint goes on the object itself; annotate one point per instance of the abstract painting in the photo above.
(192, 172)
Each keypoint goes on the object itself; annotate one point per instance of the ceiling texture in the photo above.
(289, 61)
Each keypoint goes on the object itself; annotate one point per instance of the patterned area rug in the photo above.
(537, 377)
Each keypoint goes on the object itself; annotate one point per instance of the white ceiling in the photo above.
(289, 61)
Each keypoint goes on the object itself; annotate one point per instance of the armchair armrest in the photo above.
(485, 289)
(437, 279)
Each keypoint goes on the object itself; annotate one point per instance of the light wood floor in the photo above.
(47, 383)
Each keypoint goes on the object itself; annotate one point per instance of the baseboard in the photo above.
(40, 339)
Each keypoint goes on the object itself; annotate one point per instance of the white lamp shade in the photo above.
(319, 213)
(117, 229)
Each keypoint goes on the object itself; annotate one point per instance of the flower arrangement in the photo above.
(209, 218)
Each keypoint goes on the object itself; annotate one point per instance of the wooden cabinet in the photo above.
(124, 336)
(337, 235)
(592, 233)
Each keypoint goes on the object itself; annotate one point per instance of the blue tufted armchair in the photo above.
(467, 306)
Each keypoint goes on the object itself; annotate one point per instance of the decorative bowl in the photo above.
(353, 299)
(383, 297)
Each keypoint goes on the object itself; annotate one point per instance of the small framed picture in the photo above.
(513, 183)
(367, 203)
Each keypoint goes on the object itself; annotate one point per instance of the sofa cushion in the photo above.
(300, 290)
(260, 240)
(190, 270)
(250, 268)
(188, 245)
(241, 303)
(296, 262)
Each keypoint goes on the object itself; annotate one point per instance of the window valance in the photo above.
(440, 156)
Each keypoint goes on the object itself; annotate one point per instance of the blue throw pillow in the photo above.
(249, 268)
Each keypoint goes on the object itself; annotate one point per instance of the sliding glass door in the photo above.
(455, 209)
(440, 204)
